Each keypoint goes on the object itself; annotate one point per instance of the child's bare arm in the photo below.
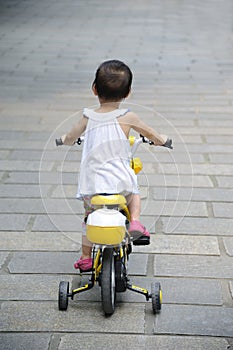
(70, 138)
(142, 128)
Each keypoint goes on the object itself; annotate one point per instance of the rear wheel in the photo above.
(63, 295)
(108, 287)
(156, 296)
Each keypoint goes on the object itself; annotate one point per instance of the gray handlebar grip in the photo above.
(168, 144)
(59, 142)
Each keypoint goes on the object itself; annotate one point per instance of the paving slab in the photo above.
(178, 291)
(193, 266)
(41, 206)
(41, 241)
(228, 244)
(231, 288)
(14, 222)
(198, 226)
(3, 256)
(45, 316)
(23, 341)
(57, 223)
(43, 262)
(193, 194)
(223, 210)
(195, 320)
(167, 180)
(128, 342)
(181, 244)
(174, 208)
(31, 287)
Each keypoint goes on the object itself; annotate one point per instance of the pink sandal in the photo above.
(83, 264)
(139, 233)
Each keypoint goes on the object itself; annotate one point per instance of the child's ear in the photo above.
(94, 89)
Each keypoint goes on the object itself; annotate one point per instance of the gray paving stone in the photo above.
(53, 223)
(158, 180)
(184, 343)
(19, 165)
(45, 316)
(221, 158)
(193, 266)
(197, 169)
(3, 256)
(39, 206)
(41, 241)
(138, 264)
(13, 222)
(49, 178)
(198, 226)
(113, 341)
(195, 320)
(31, 287)
(167, 244)
(231, 288)
(173, 208)
(223, 210)
(90, 341)
(228, 244)
(194, 194)
(43, 262)
(175, 291)
(23, 341)
(225, 181)
(19, 191)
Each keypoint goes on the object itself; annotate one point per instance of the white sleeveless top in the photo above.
(105, 163)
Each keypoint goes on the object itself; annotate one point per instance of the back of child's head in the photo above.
(113, 81)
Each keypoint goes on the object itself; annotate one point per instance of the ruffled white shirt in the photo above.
(105, 163)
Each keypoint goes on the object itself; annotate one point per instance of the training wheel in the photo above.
(63, 295)
(156, 296)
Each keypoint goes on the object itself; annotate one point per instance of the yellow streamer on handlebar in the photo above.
(135, 163)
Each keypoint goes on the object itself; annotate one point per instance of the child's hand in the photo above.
(164, 137)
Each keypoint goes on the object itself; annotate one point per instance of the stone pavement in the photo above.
(181, 55)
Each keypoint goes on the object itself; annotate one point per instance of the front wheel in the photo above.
(108, 287)
(156, 296)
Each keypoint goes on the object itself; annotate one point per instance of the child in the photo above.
(105, 165)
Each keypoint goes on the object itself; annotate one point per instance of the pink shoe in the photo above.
(139, 233)
(83, 264)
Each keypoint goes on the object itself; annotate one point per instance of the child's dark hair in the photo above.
(113, 80)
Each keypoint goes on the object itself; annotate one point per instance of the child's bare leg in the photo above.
(137, 230)
(134, 206)
(86, 248)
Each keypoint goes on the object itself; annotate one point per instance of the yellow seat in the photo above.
(113, 199)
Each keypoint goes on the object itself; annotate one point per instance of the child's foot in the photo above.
(139, 233)
(83, 264)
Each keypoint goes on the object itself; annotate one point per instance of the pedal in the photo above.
(143, 240)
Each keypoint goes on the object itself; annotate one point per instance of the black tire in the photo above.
(63, 295)
(156, 296)
(108, 287)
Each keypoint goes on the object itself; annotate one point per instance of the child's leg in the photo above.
(137, 230)
(134, 206)
(86, 248)
(86, 245)
(85, 262)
